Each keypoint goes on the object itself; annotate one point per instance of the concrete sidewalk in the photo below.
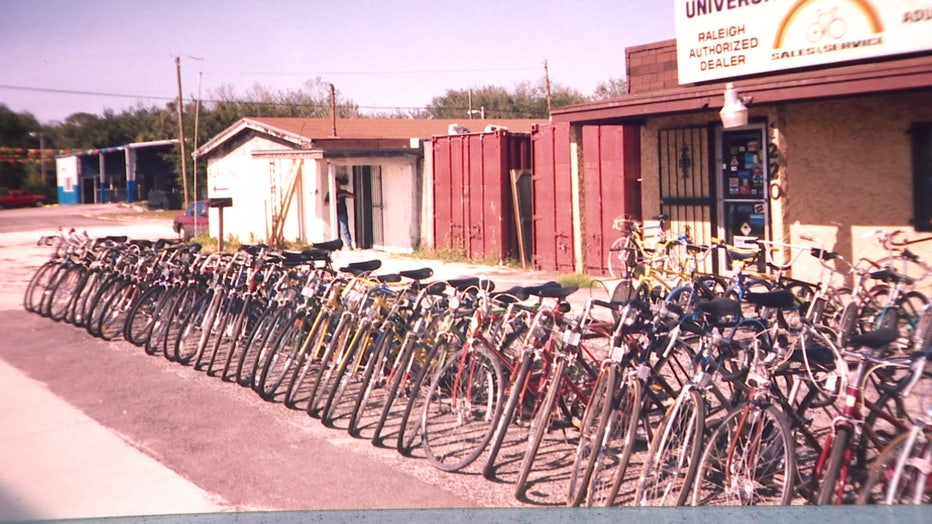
(55, 462)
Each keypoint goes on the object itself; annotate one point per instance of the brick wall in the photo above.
(651, 67)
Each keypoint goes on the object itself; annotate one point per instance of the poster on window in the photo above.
(743, 166)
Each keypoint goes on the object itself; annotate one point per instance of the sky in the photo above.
(61, 57)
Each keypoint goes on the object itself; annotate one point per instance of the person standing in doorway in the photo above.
(342, 214)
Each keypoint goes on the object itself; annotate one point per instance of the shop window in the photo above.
(922, 176)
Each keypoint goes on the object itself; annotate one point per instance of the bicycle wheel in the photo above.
(141, 316)
(113, 321)
(510, 414)
(244, 323)
(831, 487)
(336, 350)
(105, 292)
(37, 286)
(462, 406)
(347, 373)
(749, 460)
(155, 343)
(62, 296)
(412, 423)
(269, 326)
(373, 379)
(621, 257)
(674, 454)
(618, 442)
(401, 372)
(900, 474)
(197, 327)
(594, 425)
(286, 356)
(539, 426)
(81, 308)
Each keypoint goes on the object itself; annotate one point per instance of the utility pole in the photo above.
(547, 81)
(184, 160)
(333, 108)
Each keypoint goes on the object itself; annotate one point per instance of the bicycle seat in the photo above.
(360, 268)
(316, 254)
(330, 245)
(875, 339)
(418, 274)
(780, 299)
(560, 292)
(718, 308)
(390, 278)
(511, 295)
(892, 277)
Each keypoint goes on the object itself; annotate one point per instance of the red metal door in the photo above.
(553, 210)
(611, 169)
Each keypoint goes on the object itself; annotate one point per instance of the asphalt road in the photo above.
(93, 428)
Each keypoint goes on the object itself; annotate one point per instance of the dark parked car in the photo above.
(194, 216)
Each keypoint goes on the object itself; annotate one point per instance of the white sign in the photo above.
(719, 39)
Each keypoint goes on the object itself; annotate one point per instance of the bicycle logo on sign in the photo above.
(827, 22)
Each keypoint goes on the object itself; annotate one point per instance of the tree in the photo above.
(527, 100)
(15, 170)
(611, 88)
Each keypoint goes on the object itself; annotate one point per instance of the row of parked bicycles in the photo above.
(683, 387)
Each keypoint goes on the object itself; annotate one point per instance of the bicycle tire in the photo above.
(595, 422)
(884, 485)
(197, 324)
(81, 308)
(244, 324)
(412, 423)
(286, 356)
(608, 473)
(155, 343)
(311, 345)
(348, 370)
(141, 317)
(399, 372)
(539, 426)
(829, 490)
(674, 454)
(272, 322)
(63, 295)
(98, 305)
(113, 321)
(321, 379)
(372, 378)
(620, 257)
(454, 436)
(48, 294)
(516, 392)
(35, 290)
(757, 467)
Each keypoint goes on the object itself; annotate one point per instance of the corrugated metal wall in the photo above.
(553, 211)
(473, 207)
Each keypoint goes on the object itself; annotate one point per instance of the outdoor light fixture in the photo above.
(734, 113)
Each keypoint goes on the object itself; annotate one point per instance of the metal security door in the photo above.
(686, 189)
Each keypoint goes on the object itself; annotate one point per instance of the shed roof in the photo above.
(877, 76)
(304, 131)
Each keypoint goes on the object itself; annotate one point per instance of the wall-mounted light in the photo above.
(734, 113)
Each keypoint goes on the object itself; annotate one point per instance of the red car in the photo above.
(18, 198)
(194, 216)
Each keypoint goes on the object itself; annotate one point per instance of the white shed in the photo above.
(279, 171)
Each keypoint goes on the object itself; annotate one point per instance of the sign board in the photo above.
(220, 202)
(719, 39)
